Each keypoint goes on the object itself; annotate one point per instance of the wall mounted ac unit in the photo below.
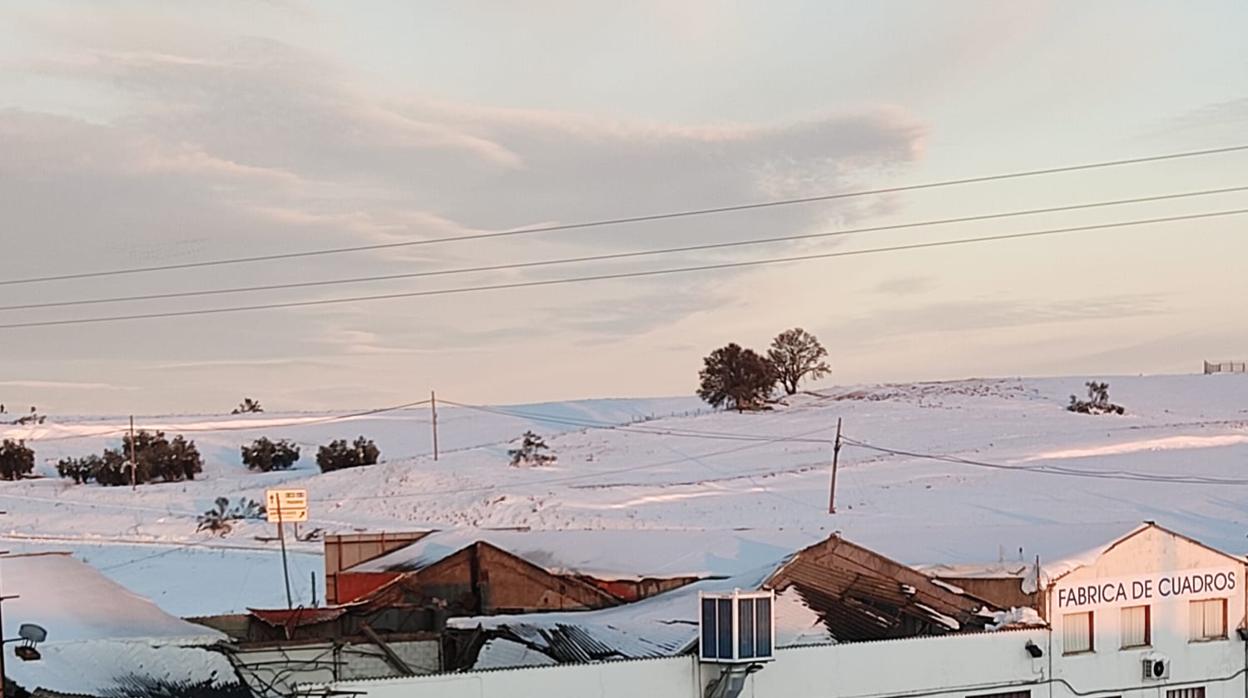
(737, 627)
(1156, 667)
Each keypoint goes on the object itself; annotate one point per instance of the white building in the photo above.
(1152, 614)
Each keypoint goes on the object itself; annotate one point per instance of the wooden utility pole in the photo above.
(281, 536)
(836, 453)
(3, 692)
(134, 464)
(433, 410)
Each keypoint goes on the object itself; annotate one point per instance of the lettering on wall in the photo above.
(1151, 588)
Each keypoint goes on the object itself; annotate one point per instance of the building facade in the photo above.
(1152, 614)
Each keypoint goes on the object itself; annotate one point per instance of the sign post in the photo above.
(282, 506)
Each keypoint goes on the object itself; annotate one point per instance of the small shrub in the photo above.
(80, 470)
(339, 454)
(265, 455)
(532, 451)
(16, 460)
(248, 406)
(33, 418)
(220, 518)
(1097, 402)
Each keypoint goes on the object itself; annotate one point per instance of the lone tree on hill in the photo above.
(796, 355)
(248, 406)
(264, 455)
(1097, 402)
(532, 451)
(339, 454)
(737, 377)
(16, 460)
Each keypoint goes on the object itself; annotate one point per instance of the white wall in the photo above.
(1151, 555)
(672, 677)
(964, 663)
(957, 664)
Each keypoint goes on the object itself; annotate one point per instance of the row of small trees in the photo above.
(159, 458)
(155, 457)
(743, 379)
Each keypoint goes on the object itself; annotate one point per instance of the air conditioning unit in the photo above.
(737, 627)
(1156, 667)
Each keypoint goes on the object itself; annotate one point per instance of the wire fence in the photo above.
(1212, 367)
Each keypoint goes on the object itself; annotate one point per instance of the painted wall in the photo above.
(964, 663)
(672, 677)
(1140, 562)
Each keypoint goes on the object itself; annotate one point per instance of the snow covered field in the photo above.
(1069, 481)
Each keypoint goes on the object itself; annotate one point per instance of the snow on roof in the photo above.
(663, 625)
(612, 554)
(118, 667)
(74, 601)
(501, 653)
(99, 634)
(990, 570)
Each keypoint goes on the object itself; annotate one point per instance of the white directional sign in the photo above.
(286, 506)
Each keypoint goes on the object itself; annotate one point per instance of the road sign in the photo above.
(291, 504)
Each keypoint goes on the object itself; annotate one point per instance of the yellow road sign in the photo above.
(286, 506)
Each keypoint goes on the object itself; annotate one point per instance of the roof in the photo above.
(830, 591)
(96, 626)
(611, 554)
(862, 595)
(659, 626)
(1054, 570)
(298, 617)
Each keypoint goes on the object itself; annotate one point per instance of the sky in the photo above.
(152, 133)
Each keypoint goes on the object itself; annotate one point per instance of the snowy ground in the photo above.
(763, 471)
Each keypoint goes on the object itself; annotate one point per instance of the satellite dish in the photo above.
(32, 633)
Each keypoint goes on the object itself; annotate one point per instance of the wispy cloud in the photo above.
(62, 385)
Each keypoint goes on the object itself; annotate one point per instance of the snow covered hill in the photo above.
(1048, 482)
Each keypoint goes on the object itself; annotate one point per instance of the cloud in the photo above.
(904, 285)
(975, 315)
(240, 146)
(62, 385)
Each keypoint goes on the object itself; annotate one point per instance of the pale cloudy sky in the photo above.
(140, 133)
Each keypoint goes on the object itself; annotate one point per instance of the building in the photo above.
(1149, 614)
(103, 640)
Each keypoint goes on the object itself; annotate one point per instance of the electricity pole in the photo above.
(433, 409)
(281, 536)
(836, 452)
(3, 687)
(134, 464)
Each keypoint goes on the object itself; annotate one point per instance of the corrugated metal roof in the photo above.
(298, 617)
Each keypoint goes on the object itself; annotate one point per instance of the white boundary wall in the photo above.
(962, 663)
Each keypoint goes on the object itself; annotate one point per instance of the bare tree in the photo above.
(797, 354)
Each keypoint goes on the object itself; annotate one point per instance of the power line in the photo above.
(1045, 469)
(629, 428)
(633, 219)
(192, 429)
(621, 275)
(617, 255)
(569, 478)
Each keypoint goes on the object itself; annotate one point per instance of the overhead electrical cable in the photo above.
(614, 255)
(622, 275)
(632, 219)
(1049, 469)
